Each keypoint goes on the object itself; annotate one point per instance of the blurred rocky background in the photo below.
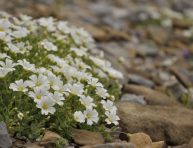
(151, 42)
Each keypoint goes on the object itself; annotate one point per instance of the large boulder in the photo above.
(173, 124)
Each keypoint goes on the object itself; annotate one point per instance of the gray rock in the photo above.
(152, 97)
(182, 78)
(5, 140)
(136, 99)
(148, 49)
(180, 5)
(176, 89)
(115, 145)
(101, 9)
(137, 79)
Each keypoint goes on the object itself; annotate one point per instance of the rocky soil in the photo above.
(151, 43)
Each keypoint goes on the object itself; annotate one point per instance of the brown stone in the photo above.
(173, 124)
(84, 137)
(182, 23)
(159, 144)
(191, 143)
(98, 33)
(161, 38)
(34, 146)
(140, 139)
(49, 137)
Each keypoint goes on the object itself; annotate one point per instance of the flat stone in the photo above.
(137, 79)
(181, 77)
(34, 146)
(84, 137)
(173, 124)
(176, 89)
(152, 97)
(182, 23)
(136, 99)
(112, 145)
(49, 137)
(5, 140)
(148, 49)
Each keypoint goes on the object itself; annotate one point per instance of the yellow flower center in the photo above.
(51, 83)
(21, 88)
(38, 97)
(89, 115)
(1, 29)
(44, 106)
(38, 83)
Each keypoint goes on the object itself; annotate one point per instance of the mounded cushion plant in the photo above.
(50, 80)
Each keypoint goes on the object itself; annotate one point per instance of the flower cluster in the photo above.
(47, 64)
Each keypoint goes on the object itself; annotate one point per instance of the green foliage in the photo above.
(45, 56)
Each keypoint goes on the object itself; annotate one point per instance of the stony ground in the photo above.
(151, 43)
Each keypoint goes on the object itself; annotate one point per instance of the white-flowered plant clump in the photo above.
(50, 79)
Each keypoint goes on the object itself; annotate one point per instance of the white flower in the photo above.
(4, 55)
(20, 115)
(49, 45)
(58, 98)
(5, 37)
(87, 101)
(79, 117)
(63, 26)
(38, 93)
(94, 82)
(91, 116)
(81, 65)
(76, 89)
(6, 67)
(8, 64)
(19, 85)
(81, 36)
(112, 118)
(108, 105)
(100, 73)
(48, 23)
(3, 72)
(46, 105)
(101, 92)
(24, 47)
(13, 48)
(26, 65)
(80, 75)
(41, 70)
(114, 73)
(25, 18)
(4, 24)
(79, 52)
(54, 81)
(39, 81)
(20, 32)
(63, 89)
(69, 72)
(100, 62)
